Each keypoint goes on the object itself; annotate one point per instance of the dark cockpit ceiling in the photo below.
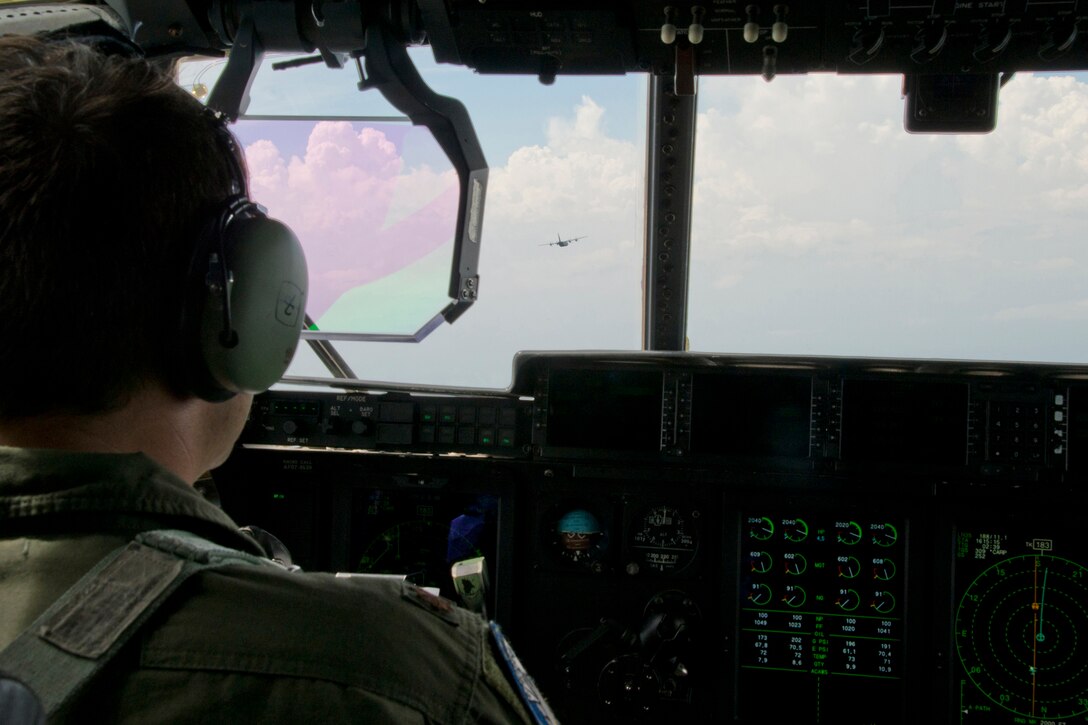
(723, 37)
(677, 537)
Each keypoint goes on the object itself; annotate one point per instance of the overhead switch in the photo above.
(751, 28)
(695, 30)
(867, 42)
(993, 39)
(929, 41)
(1060, 36)
(780, 29)
(668, 30)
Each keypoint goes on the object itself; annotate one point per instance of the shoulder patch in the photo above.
(530, 695)
(436, 605)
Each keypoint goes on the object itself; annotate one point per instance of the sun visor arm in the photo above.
(391, 72)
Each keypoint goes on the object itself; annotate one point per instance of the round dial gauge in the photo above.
(1021, 629)
(847, 600)
(760, 594)
(760, 528)
(849, 567)
(883, 569)
(795, 530)
(796, 564)
(577, 537)
(664, 539)
(884, 534)
(794, 596)
(883, 602)
(760, 561)
(848, 532)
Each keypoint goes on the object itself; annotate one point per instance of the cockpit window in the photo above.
(375, 205)
(561, 254)
(821, 228)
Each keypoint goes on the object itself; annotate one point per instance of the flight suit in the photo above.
(241, 643)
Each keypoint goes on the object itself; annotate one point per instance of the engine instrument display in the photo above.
(821, 615)
(1021, 628)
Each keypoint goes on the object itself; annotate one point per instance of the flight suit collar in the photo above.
(107, 491)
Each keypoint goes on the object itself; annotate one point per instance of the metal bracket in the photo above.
(390, 70)
(230, 96)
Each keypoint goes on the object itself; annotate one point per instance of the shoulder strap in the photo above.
(74, 638)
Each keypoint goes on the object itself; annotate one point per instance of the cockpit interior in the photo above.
(680, 509)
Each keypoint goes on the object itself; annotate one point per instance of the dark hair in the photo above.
(107, 170)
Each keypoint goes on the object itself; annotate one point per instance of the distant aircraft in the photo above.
(560, 242)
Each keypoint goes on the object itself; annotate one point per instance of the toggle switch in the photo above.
(780, 29)
(668, 30)
(751, 28)
(695, 30)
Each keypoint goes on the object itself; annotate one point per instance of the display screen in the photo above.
(921, 422)
(605, 409)
(821, 616)
(421, 533)
(751, 415)
(1021, 628)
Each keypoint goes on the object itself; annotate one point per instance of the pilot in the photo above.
(109, 174)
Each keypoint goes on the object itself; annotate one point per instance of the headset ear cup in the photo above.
(268, 307)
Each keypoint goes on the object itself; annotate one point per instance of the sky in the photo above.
(820, 227)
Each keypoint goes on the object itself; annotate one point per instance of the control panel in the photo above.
(821, 608)
(548, 38)
(759, 37)
(711, 538)
(391, 422)
(1002, 425)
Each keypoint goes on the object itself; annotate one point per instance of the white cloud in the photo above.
(811, 202)
(820, 227)
(581, 183)
(361, 211)
(1069, 310)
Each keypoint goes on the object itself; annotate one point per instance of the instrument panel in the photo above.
(1019, 624)
(689, 538)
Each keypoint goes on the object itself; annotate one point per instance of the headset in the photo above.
(245, 300)
(246, 293)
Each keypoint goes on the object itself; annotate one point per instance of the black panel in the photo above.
(751, 415)
(605, 409)
(904, 420)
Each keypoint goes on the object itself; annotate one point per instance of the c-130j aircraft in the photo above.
(804, 523)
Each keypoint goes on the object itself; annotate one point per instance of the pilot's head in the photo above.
(114, 184)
